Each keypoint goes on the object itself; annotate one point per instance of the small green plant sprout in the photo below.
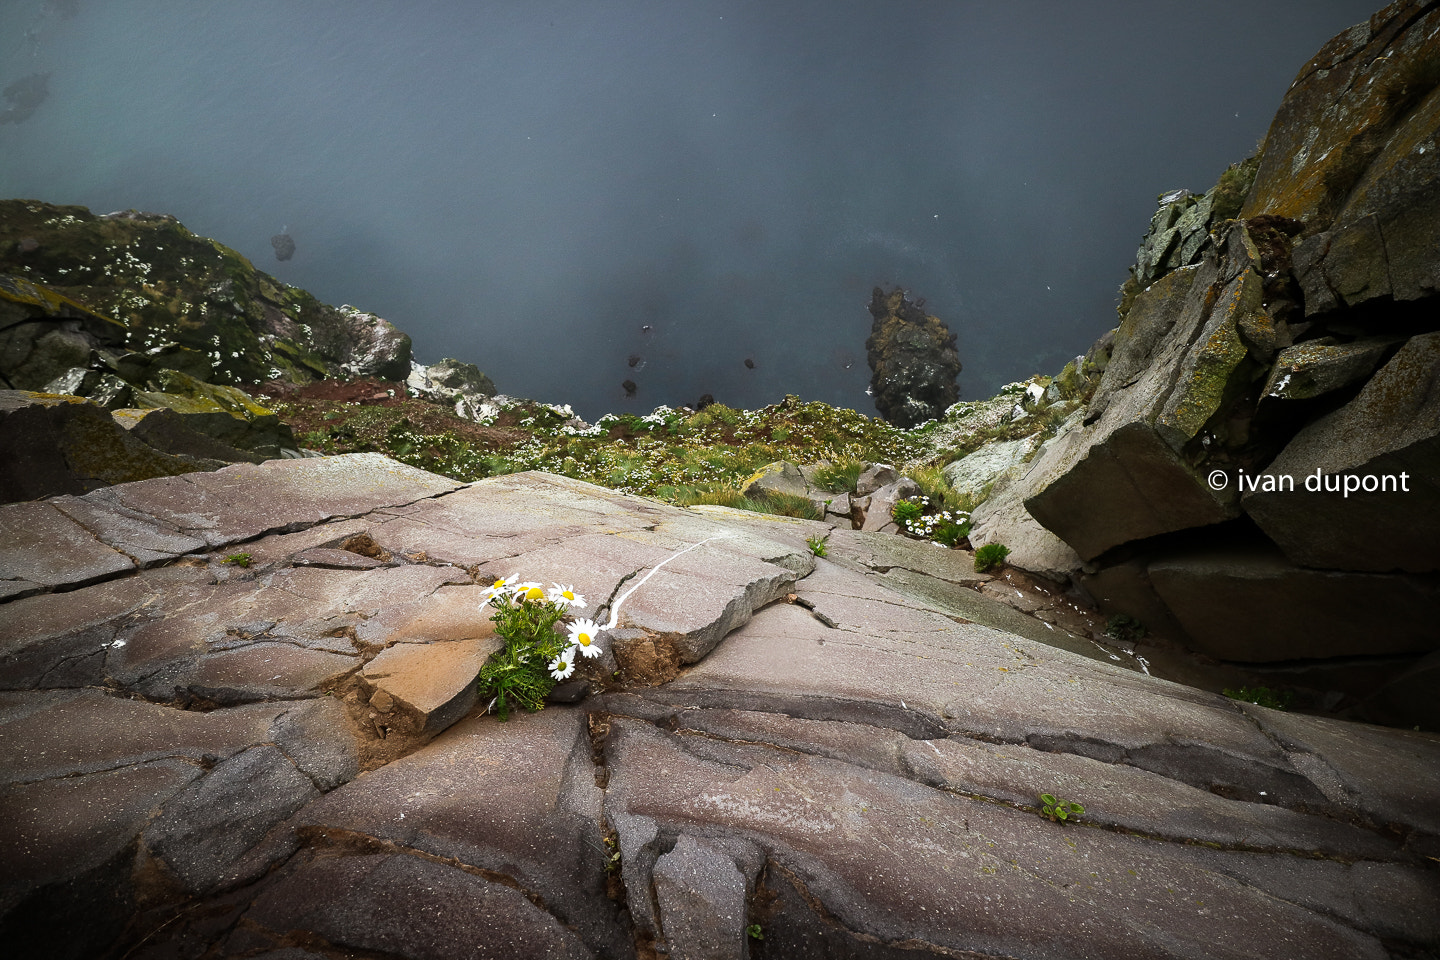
(1262, 696)
(905, 511)
(817, 545)
(535, 655)
(612, 854)
(1124, 628)
(239, 559)
(990, 557)
(755, 932)
(1059, 810)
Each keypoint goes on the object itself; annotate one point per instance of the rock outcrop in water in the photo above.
(913, 360)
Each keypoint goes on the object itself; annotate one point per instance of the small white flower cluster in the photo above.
(925, 525)
(584, 633)
(593, 431)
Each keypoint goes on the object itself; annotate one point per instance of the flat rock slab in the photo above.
(856, 770)
(900, 863)
(244, 501)
(400, 906)
(517, 799)
(41, 545)
(433, 682)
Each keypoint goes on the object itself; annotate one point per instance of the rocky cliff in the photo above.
(239, 705)
(1257, 468)
(224, 321)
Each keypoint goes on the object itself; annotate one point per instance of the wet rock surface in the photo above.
(843, 755)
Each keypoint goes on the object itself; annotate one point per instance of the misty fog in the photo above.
(554, 189)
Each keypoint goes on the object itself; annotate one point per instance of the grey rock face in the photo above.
(365, 345)
(1391, 430)
(1126, 476)
(54, 446)
(1316, 367)
(204, 830)
(702, 902)
(855, 773)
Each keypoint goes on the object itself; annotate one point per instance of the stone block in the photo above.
(1250, 604)
(701, 894)
(434, 682)
(1390, 430)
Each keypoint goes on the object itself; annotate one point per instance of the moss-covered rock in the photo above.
(165, 285)
(52, 444)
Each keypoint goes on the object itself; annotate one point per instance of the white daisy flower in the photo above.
(567, 597)
(562, 666)
(529, 590)
(496, 589)
(583, 636)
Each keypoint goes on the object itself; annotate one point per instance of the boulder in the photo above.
(1127, 475)
(51, 444)
(1317, 367)
(873, 477)
(189, 435)
(993, 465)
(782, 476)
(880, 507)
(1382, 452)
(912, 358)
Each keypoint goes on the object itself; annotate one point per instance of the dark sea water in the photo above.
(550, 189)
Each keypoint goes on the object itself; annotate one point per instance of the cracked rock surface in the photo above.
(782, 756)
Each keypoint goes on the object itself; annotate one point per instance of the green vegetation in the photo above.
(918, 518)
(840, 475)
(1060, 810)
(990, 557)
(1124, 628)
(755, 932)
(239, 559)
(817, 545)
(682, 458)
(535, 656)
(780, 504)
(905, 511)
(612, 854)
(1262, 696)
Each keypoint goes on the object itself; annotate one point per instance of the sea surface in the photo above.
(554, 189)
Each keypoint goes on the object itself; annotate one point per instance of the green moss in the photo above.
(1228, 194)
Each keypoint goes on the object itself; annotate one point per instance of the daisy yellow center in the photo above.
(568, 594)
(583, 639)
(498, 585)
(534, 593)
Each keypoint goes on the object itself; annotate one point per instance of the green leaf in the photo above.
(1048, 799)
(1076, 809)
